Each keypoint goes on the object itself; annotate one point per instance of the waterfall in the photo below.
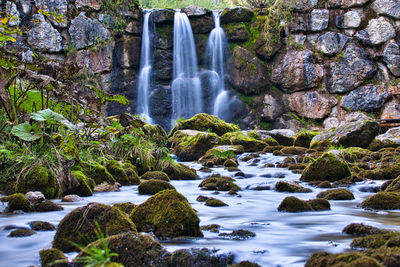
(144, 79)
(216, 56)
(186, 86)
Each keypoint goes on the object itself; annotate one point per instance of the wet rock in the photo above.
(377, 32)
(42, 226)
(154, 186)
(319, 19)
(160, 16)
(312, 104)
(319, 204)
(230, 163)
(179, 171)
(167, 214)
(43, 36)
(293, 204)
(79, 225)
(48, 205)
(89, 4)
(94, 61)
(389, 139)
(331, 43)
(60, 7)
(290, 187)
(272, 108)
(134, 27)
(366, 98)
(135, 250)
(49, 256)
(127, 54)
(362, 229)
(236, 14)
(219, 183)
(391, 56)
(353, 134)
(327, 167)
(248, 74)
(17, 202)
(350, 19)
(336, 194)
(382, 201)
(35, 197)
(106, 187)
(246, 264)
(126, 207)
(390, 8)
(213, 228)
(219, 154)
(284, 137)
(202, 25)
(236, 32)
(22, 232)
(350, 259)
(213, 202)
(200, 258)
(85, 31)
(71, 198)
(240, 234)
(351, 71)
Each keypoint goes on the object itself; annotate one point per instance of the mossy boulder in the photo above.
(190, 145)
(219, 183)
(326, 167)
(167, 214)
(294, 150)
(246, 264)
(17, 202)
(350, 259)
(382, 201)
(86, 184)
(126, 207)
(319, 204)
(219, 154)
(236, 14)
(293, 204)
(134, 249)
(49, 256)
(204, 122)
(154, 186)
(249, 142)
(390, 239)
(39, 179)
(303, 139)
(213, 202)
(42, 226)
(79, 225)
(240, 234)
(48, 205)
(230, 163)
(200, 257)
(155, 133)
(393, 186)
(290, 187)
(155, 175)
(336, 194)
(389, 139)
(125, 174)
(383, 172)
(179, 171)
(97, 172)
(22, 232)
(362, 229)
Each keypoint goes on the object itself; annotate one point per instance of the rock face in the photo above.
(391, 56)
(358, 133)
(331, 43)
(377, 32)
(346, 3)
(389, 8)
(85, 31)
(296, 71)
(350, 19)
(236, 14)
(90, 4)
(126, 52)
(366, 98)
(98, 61)
(43, 36)
(350, 71)
(319, 19)
(248, 74)
(273, 108)
(312, 104)
(60, 7)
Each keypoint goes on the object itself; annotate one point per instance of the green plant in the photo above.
(97, 256)
(224, 154)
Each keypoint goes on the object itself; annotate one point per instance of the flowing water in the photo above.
(144, 79)
(282, 239)
(216, 57)
(186, 85)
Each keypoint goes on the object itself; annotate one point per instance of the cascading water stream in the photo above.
(144, 79)
(186, 86)
(215, 55)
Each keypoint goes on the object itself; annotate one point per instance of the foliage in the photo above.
(97, 257)
(227, 154)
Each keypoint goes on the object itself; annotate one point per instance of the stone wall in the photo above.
(338, 61)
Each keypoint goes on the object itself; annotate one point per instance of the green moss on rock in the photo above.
(154, 186)
(219, 183)
(303, 139)
(79, 225)
(350, 259)
(125, 174)
(249, 143)
(292, 188)
(49, 256)
(376, 241)
(98, 173)
(155, 175)
(327, 167)
(86, 184)
(213, 202)
(39, 179)
(382, 201)
(167, 214)
(319, 204)
(336, 194)
(22, 232)
(362, 229)
(293, 204)
(179, 171)
(17, 202)
(126, 207)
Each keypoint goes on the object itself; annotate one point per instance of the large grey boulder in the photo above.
(272, 107)
(366, 98)
(391, 56)
(160, 16)
(312, 104)
(236, 14)
(354, 134)
(60, 7)
(85, 31)
(389, 139)
(377, 32)
(192, 11)
(43, 36)
(248, 73)
(11, 9)
(389, 8)
(331, 43)
(350, 19)
(284, 137)
(295, 71)
(351, 71)
(94, 61)
(319, 19)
